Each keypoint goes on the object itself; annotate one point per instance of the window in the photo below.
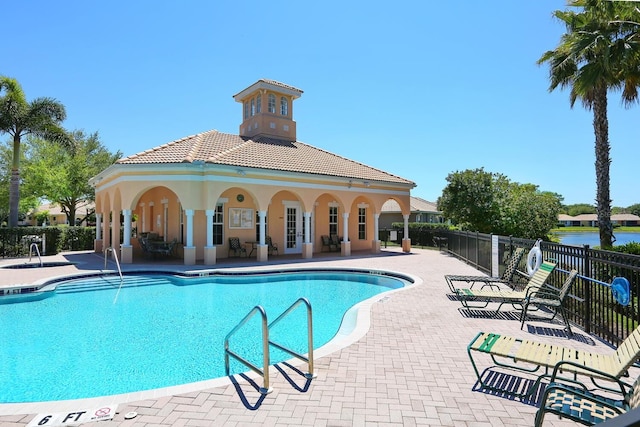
(333, 220)
(253, 107)
(272, 103)
(259, 103)
(218, 224)
(362, 223)
(284, 106)
(246, 110)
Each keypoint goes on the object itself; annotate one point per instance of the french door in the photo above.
(293, 229)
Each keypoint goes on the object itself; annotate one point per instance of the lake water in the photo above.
(593, 239)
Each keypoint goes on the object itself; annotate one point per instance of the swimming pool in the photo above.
(89, 338)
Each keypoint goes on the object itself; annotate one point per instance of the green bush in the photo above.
(632, 248)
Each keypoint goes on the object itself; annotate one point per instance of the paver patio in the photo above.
(410, 368)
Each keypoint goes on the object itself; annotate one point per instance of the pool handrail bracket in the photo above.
(264, 372)
(309, 358)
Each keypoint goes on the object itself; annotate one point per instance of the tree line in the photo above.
(43, 160)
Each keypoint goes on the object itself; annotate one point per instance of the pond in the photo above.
(593, 238)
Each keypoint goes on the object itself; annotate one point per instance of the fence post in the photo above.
(587, 290)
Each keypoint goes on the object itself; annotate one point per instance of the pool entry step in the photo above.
(266, 343)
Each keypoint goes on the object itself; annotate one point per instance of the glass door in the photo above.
(293, 230)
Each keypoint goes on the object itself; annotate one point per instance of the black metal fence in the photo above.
(591, 305)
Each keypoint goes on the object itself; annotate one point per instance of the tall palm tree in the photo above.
(18, 117)
(599, 52)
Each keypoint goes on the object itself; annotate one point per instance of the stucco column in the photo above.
(126, 250)
(345, 246)
(375, 245)
(262, 251)
(97, 244)
(189, 249)
(107, 231)
(307, 246)
(210, 249)
(406, 241)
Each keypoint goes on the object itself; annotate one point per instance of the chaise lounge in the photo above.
(506, 278)
(536, 355)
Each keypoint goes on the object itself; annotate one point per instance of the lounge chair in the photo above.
(236, 247)
(271, 247)
(550, 298)
(575, 402)
(506, 278)
(468, 297)
(535, 355)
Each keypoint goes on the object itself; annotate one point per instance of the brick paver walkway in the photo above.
(410, 368)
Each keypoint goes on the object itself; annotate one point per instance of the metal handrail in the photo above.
(35, 245)
(264, 372)
(308, 359)
(115, 256)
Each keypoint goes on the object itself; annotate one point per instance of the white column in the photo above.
(345, 226)
(376, 218)
(189, 214)
(127, 227)
(307, 227)
(263, 225)
(98, 226)
(210, 213)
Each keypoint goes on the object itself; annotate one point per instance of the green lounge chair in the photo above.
(506, 278)
(530, 356)
(575, 402)
(550, 298)
(470, 297)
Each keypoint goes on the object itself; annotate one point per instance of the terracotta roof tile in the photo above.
(215, 147)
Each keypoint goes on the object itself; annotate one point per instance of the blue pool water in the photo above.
(80, 341)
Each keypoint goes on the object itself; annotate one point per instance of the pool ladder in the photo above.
(266, 342)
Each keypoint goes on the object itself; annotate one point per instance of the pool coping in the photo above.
(358, 324)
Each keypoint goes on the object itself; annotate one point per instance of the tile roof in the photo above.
(215, 147)
(417, 205)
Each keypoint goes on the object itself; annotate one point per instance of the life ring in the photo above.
(534, 259)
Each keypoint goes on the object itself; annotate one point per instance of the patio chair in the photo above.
(326, 243)
(271, 247)
(235, 246)
(468, 297)
(575, 402)
(336, 241)
(530, 356)
(551, 298)
(506, 278)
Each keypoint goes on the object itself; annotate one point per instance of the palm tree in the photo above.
(599, 51)
(41, 117)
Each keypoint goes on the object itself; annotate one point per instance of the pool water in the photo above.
(88, 339)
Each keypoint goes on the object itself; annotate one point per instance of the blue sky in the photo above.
(420, 89)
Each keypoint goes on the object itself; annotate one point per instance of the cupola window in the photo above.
(284, 106)
(272, 103)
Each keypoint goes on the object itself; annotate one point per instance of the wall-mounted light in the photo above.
(349, 184)
(241, 172)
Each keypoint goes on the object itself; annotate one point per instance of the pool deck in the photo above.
(410, 368)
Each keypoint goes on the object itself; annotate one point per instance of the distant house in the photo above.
(422, 211)
(56, 216)
(591, 220)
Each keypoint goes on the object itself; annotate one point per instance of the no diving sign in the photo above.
(74, 418)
